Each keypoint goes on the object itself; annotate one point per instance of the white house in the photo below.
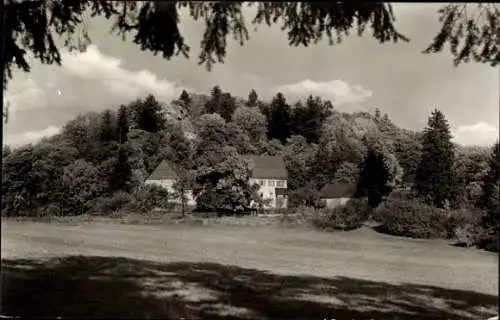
(270, 173)
(165, 176)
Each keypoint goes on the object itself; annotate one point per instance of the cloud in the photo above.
(109, 72)
(337, 91)
(30, 136)
(24, 95)
(480, 134)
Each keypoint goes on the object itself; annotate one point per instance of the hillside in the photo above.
(108, 155)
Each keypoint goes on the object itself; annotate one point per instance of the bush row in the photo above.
(350, 216)
(144, 200)
(404, 215)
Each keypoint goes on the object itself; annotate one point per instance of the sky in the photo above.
(358, 74)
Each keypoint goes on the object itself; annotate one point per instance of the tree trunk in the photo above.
(182, 202)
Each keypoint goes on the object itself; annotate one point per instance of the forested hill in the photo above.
(97, 155)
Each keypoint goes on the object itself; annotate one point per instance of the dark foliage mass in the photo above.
(350, 216)
(489, 200)
(33, 27)
(373, 179)
(434, 176)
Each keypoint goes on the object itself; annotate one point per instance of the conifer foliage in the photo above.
(490, 194)
(121, 174)
(123, 125)
(434, 175)
(373, 179)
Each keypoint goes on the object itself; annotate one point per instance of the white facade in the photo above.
(335, 202)
(169, 185)
(267, 191)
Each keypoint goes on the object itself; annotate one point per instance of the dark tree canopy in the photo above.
(373, 179)
(32, 27)
(149, 115)
(221, 102)
(123, 124)
(490, 192)
(107, 129)
(434, 175)
(253, 99)
(279, 118)
(121, 173)
(470, 32)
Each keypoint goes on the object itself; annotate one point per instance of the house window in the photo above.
(280, 184)
(262, 183)
(270, 183)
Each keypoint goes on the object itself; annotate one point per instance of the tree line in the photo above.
(105, 157)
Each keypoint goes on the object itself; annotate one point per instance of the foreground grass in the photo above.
(221, 272)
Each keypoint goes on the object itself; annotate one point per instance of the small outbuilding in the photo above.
(336, 194)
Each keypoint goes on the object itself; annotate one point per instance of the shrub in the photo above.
(151, 197)
(413, 218)
(51, 209)
(118, 201)
(350, 216)
(464, 220)
(467, 235)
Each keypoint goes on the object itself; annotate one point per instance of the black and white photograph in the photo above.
(234, 160)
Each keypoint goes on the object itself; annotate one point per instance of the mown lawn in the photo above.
(238, 272)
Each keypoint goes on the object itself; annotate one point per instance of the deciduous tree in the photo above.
(225, 185)
(252, 122)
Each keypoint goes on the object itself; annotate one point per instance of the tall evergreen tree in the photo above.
(185, 98)
(490, 194)
(222, 103)
(433, 177)
(308, 119)
(107, 127)
(253, 99)
(212, 105)
(373, 179)
(279, 119)
(123, 125)
(121, 174)
(149, 115)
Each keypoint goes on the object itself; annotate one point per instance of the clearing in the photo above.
(230, 272)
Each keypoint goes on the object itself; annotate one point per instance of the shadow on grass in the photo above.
(100, 287)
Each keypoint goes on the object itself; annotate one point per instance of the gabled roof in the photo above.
(338, 190)
(164, 171)
(267, 167)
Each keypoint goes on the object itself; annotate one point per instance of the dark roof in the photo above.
(267, 167)
(338, 190)
(164, 171)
